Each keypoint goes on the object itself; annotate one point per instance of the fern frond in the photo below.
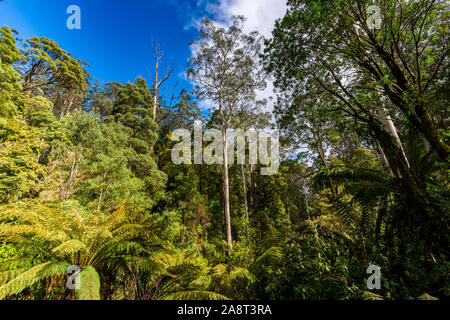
(7, 276)
(242, 275)
(89, 284)
(69, 247)
(270, 257)
(32, 276)
(12, 231)
(203, 281)
(194, 295)
(16, 263)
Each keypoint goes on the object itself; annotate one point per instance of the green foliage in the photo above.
(344, 85)
(47, 67)
(194, 295)
(89, 284)
(87, 180)
(19, 154)
(32, 276)
(64, 235)
(319, 264)
(133, 111)
(9, 77)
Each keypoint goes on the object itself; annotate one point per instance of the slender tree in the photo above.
(158, 77)
(226, 71)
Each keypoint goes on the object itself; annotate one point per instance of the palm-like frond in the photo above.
(89, 284)
(194, 295)
(270, 257)
(68, 248)
(110, 243)
(363, 194)
(9, 275)
(31, 276)
(352, 178)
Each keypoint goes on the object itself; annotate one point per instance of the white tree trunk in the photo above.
(226, 189)
(244, 187)
(386, 119)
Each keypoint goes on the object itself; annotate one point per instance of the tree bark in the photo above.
(408, 184)
(384, 159)
(418, 114)
(306, 201)
(321, 152)
(245, 191)
(252, 189)
(66, 110)
(386, 119)
(226, 189)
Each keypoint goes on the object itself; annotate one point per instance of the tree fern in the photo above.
(271, 256)
(363, 193)
(32, 276)
(68, 248)
(89, 284)
(64, 235)
(194, 295)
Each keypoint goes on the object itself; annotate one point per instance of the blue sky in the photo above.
(115, 36)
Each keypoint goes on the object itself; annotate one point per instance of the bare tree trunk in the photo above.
(42, 143)
(426, 144)
(155, 106)
(158, 54)
(252, 168)
(155, 103)
(226, 189)
(222, 202)
(66, 110)
(384, 159)
(245, 191)
(69, 106)
(306, 201)
(386, 119)
(321, 152)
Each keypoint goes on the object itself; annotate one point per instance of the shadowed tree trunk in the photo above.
(244, 187)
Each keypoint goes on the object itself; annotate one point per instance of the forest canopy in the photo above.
(93, 207)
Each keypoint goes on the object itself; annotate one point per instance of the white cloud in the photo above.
(261, 14)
